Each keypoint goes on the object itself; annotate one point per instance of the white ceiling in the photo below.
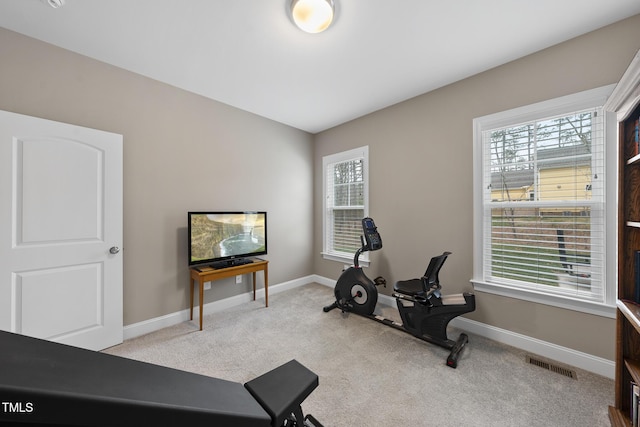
(248, 54)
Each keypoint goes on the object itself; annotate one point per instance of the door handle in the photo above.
(114, 250)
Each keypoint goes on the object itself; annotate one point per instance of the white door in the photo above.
(60, 231)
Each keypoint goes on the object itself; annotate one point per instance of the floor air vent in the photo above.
(551, 367)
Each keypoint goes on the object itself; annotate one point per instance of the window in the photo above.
(540, 204)
(345, 202)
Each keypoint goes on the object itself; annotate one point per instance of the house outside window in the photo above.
(541, 204)
(345, 190)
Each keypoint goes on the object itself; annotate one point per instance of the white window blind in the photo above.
(345, 176)
(544, 203)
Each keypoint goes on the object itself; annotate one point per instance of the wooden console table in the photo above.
(201, 275)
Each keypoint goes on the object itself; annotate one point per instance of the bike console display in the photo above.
(371, 235)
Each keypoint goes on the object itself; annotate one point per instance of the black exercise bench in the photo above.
(46, 383)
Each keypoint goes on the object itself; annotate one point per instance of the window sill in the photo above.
(561, 301)
(345, 259)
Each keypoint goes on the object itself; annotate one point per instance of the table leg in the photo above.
(266, 285)
(254, 285)
(201, 300)
(192, 283)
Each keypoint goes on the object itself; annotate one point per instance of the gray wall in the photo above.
(181, 152)
(421, 176)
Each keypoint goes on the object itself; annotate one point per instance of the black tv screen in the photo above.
(226, 238)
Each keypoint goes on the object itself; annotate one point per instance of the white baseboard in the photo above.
(157, 323)
(538, 347)
(564, 355)
(551, 351)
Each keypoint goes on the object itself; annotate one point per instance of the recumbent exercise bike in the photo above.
(424, 311)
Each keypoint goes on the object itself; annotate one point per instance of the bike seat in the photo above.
(427, 282)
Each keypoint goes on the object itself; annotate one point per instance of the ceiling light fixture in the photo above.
(312, 16)
(55, 3)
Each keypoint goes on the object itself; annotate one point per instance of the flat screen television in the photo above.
(226, 239)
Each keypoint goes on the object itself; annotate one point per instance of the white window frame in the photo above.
(551, 108)
(327, 226)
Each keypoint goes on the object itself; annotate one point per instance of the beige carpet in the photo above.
(373, 375)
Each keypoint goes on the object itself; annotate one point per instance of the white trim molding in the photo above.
(555, 352)
(605, 305)
(565, 355)
(626, 94)
(566, 302)
(151, 325)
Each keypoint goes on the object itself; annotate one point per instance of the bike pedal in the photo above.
(310, 421)
(380, 281)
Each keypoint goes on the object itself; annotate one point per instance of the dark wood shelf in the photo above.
(635, 160)
(631, 311)
(633, 366)
(618, 419)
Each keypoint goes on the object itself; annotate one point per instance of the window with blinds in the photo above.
(544, 205)
(345, 202)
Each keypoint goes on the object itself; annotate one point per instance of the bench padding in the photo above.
(71, 386)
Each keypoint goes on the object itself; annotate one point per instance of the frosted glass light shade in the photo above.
(55, 3)
(312, 16)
